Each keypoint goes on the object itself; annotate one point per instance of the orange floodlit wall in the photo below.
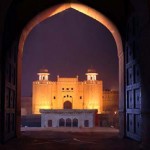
(53, 95)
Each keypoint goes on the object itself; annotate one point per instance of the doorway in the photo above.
(97, 16)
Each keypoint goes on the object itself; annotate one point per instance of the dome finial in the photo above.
(43, 74)
(91, 69)
(91, 74)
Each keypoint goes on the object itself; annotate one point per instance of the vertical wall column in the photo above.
(18, 92)
(121, 97)
(145, 79)
(0, 92)
(9, 94)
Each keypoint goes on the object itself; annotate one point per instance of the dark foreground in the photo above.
(53, 140)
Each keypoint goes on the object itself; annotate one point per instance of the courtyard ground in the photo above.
(70, 139)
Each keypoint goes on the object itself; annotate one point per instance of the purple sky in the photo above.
(68, 44)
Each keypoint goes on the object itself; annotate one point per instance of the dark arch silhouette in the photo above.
(67, 105)
(15, 23)
(61, 122)
(75, 122)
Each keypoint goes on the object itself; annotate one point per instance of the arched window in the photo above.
(49, 123)
(75, 122)
(67, 105)
(61, 122)
(68, 122)
(86, 123)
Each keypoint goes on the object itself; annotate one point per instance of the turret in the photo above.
(91, 74)
(43, 74)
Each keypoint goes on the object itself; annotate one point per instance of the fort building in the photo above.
(67, 98)
(69, 102)
(67, 93)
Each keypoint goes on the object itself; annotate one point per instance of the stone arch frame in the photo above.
(90, 12)
(9, 9)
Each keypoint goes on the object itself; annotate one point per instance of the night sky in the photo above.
(67, 44)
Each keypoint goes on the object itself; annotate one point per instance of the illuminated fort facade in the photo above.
(67, 93)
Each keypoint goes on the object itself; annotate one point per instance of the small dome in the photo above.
(91, 70)
(43, 71)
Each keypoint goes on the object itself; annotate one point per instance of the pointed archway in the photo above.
(98, 17)
(67, 105)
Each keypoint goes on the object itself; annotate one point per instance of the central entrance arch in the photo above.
(96, 16)
(67, 105)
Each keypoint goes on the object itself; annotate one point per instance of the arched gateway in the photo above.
(98, 17)
(132, 110)
(35, 21)
(67, 105)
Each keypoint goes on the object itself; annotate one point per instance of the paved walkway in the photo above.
(70, 139)
(72, 129)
